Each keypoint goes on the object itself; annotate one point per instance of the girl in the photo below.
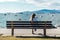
(33, 18)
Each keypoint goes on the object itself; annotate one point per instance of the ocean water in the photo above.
(55, 18)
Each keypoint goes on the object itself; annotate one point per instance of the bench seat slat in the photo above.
(29, 26)
(29, 21)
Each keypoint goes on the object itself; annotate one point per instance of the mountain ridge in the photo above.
(42, 11)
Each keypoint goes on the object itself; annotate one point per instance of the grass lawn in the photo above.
(14, 38)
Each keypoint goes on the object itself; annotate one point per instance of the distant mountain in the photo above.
(48, 11)
(42, 11)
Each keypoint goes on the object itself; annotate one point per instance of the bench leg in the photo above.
(33, 31)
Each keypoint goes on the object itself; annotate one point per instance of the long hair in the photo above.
(33, 16)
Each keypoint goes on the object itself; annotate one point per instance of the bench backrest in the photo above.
(29, 24)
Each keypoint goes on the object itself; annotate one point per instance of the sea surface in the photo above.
(55, 18)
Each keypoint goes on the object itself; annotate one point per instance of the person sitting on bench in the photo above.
(33, 18)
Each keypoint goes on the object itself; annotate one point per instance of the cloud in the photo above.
(56, 4)
(45, 3)
(50, 4)
(38, 2)
(24, 5)
(8, 0)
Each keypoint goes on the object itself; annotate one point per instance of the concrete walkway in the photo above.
(28, 32)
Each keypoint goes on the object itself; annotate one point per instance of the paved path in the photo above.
(28, 32)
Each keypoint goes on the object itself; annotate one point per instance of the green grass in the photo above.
(14, 38)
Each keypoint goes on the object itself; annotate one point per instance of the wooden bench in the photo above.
(29, 25)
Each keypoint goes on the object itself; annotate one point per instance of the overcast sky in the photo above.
(28, 5)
